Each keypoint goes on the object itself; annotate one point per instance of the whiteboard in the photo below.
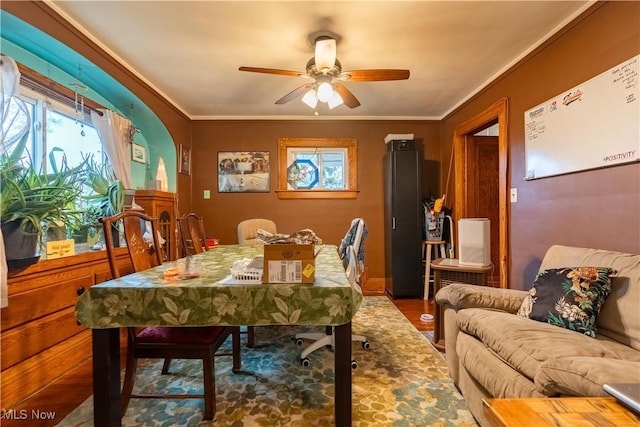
(593, 125)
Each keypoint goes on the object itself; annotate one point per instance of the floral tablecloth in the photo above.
(146, 298)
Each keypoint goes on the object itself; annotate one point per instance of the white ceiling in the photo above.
(190, 51)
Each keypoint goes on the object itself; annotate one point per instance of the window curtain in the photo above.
(14, 114)
(114, 132)
(15, 122)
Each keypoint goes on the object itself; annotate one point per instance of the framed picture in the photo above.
(185, 160)
(243, 171)
(138, 153)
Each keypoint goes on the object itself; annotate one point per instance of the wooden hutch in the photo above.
(162, 205)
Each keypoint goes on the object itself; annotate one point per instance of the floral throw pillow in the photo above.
(568, 297)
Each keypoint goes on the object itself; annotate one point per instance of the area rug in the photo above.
(401, 380)
(428, 335)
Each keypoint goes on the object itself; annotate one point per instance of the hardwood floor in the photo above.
(413, 309)
(51, 405)
(55, 402)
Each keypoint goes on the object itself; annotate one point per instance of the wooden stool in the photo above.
(428, 246)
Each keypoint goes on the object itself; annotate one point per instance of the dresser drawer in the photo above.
(30, 305)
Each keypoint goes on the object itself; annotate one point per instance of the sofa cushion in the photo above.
(525, 344)
(461, 295)
(496, 377)
(584, 376)
(569, 297)
(619, 318)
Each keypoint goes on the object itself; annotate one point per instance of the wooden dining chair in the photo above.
(155, 342)
(194, 241)
(191, 228)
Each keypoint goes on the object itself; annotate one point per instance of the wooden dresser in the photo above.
(39, 336)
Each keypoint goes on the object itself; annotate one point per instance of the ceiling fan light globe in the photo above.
(310, 98)
(325, 53)
(325, 91)
(335, 101)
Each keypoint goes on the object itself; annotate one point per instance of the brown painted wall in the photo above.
(330, 219)
(598, 208)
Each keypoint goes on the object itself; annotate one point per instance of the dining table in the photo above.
(215, 297)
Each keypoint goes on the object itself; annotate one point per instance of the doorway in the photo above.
(481, 181)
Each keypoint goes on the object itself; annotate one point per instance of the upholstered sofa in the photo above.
(493, 351)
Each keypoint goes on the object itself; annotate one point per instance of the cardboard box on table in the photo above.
(289, 263)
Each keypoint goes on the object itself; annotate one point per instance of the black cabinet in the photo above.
(403, 220)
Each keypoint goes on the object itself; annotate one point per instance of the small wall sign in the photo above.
(60, 248)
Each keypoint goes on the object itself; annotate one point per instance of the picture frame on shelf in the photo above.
(243, 172)
(138, 153)
(185, 160)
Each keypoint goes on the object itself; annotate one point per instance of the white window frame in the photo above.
(40, 146)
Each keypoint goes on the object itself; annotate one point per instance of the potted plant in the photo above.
(89, 224)
(31, 200)
(106, 193)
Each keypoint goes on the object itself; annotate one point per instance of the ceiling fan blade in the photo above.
(374, 75)
(348, 98)
(325, 53)
(274, 71)
(295, 93)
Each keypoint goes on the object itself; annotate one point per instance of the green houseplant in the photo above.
(106, 193)
(30, 200)
(88, 226)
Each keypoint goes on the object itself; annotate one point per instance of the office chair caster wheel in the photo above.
(299, 341)
(366, 345)
(354, 364)
(305, 362)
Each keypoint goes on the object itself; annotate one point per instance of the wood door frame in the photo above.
(498, 111)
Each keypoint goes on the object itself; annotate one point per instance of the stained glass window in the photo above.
(317, 168)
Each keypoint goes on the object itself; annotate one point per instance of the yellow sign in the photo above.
(308, 270)
(60, 248)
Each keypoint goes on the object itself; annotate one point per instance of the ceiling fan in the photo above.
(326, 72)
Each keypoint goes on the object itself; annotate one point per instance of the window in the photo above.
(56, 125)
(60, 136)
(315, 168)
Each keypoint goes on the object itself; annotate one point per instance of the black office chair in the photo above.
(157, 342)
